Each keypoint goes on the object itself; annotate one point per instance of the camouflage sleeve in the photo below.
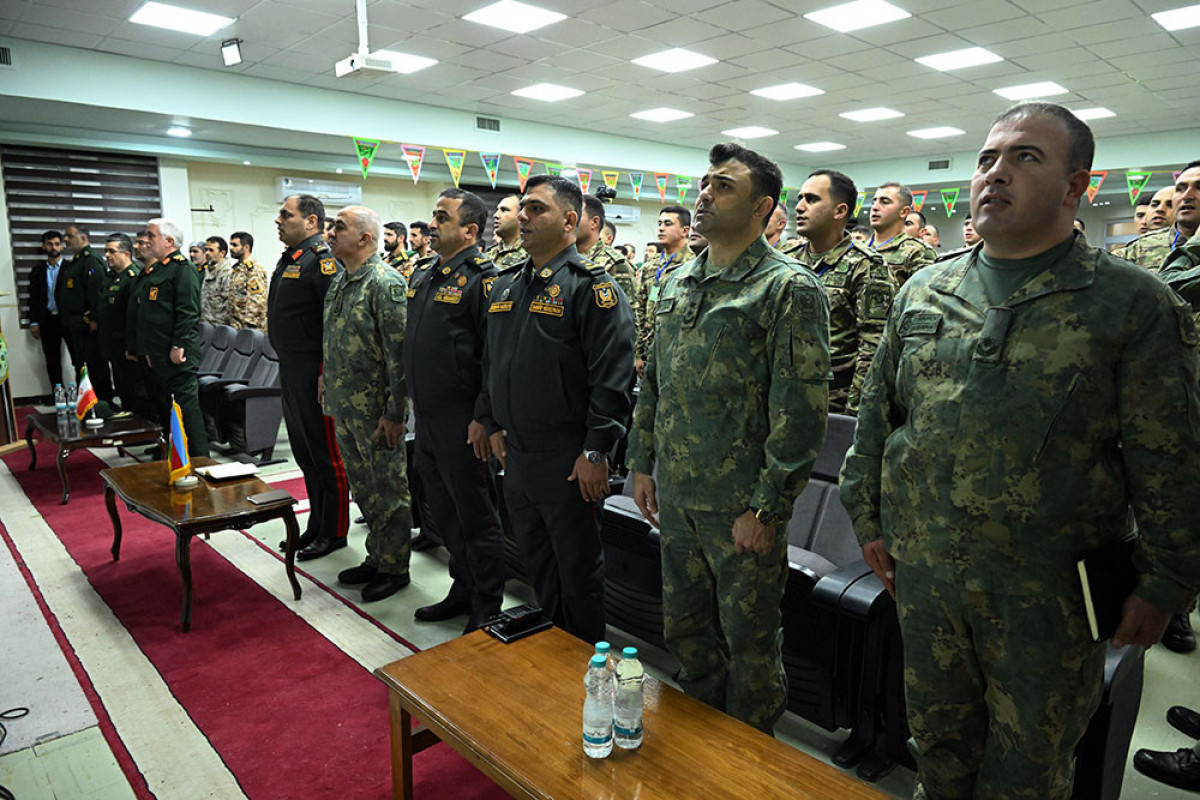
(624, 277)
(187, 311)
(640, 300)
(640, 454)
(606, 335)
(798, 397)
(391, 317)
(873, 297)
(254, 315)
(1159, 407)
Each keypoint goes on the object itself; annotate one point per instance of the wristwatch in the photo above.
(765, 517)
(595, 456)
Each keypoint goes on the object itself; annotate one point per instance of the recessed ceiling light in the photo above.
(549, 92)
(959, 59)
(1027, 90)
(857, 15)
(179, 132)
(940, 132)
(1092, 113)
(871, 114)
(749, 132)
(662, 114)
(231, 52)
(512, 16)
(184, 20)
(787, 91)
(674, 60)
(1178, 19)
(820, 147)
(405, 63)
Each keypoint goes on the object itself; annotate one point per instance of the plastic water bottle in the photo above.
(610, 663)
(60, 400)
(597, 710)
(627, 705)
(72, 396)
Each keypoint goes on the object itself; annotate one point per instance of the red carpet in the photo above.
(287, 711)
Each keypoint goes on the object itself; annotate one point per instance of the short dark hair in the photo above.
(48, 235)
(595, 208)
(565, 192)
(841, 188)
(124, 243)
(1190, 165)
(608, 225)
(81, 230)
(1144, 198)
(221, 244)
(472, 211)
(765, 177)
(902, 190)
(243, 237)
(921, 217)
(423, 227)
(396, 228)
(1083, 144)
(682, 214)
(329, 222)
(310, 207)
(651, 244)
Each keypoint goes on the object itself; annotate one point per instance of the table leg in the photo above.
(402, 749)
(183, 547)
(293, 535)
(61, 460)
(29, 428)
(110, 500)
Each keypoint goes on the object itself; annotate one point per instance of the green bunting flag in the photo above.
(949, 198)
(414, 156)
(524, 166)
(491, 165)
(1095, 181)
(585, 178)
(553, 169)
(660, 180)
(919, 199)
(366, 149)
(611, 178)
(454, 160)
(635, 180)
(858, 203)
(1137, 182)
(683, 185)
(783, 197)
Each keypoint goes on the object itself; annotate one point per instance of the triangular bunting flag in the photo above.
(683, 184)
(491, 165)
(524, 165)
(454, 160)
(660, 180)
(611, 178)
(919, 199)
(635, 180)
(950, 197)
(858, 202)
(553, 169)
(1095, 181)
(1136, 182)
(366, 149)
(783, 197)
(414, 156)
(585, 178)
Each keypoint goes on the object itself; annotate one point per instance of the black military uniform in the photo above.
(295, 305)
(111, 312)
(164, 313)
(557, 368)
(443, 358)
(76, 295)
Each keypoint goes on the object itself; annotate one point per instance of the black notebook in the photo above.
(1108, 577)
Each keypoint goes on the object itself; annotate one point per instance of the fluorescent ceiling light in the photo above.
(405, 63)
(940, 132)
(662, 114)
(749, 132)
(184, 20)
(1092, 113)
(509, 15)
(549, 92)
(231, 52)
(787, 91)
(820, 147)
(1178, 19)
(871, 114)
(857, 15)
(959, 59)
(674, 60)
(245, 163)
(179, 132)
(1029, 90)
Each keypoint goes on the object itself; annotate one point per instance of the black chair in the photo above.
(217, 348)
(239, 365)
(249, 412)
(632, 569)
(204, 329)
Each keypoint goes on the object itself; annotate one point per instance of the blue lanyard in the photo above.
(663, 265)
(1175, 239)
(881, 244)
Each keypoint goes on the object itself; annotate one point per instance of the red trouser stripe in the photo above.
(343, 485)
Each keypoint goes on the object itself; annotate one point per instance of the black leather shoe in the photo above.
(384, 585)
(306, 538)
(1184, 720)
(363, 573)
(1178, 637)
(1180, 769)
(321, 547)
(446, 609)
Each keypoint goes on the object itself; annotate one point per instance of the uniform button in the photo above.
(988, 346)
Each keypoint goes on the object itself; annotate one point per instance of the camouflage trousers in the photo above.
(1000, 688)
(721, 615)
(379, 482)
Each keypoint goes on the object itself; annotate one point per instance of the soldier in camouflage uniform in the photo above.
(1024, 397)
(592, 247)
(363, 390)
(507, 251)
(214, 290)
(1152, 249)
(859, 285)
(395, 249)
(732, 411)
(247, 285)
(903, 254)
(674, 222)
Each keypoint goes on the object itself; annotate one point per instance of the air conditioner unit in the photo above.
(621, 213)
(333, 193)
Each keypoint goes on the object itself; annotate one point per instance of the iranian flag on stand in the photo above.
(87, 396)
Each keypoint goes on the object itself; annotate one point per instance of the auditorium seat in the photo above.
(216, 349)
(632, 568)
(204, 330)
(249, 412)
(238, 366)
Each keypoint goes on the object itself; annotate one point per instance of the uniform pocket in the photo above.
(1072, 388)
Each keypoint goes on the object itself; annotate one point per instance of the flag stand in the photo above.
(186, 482)
(93, 421)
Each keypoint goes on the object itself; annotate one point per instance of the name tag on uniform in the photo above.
(549, 303)
(835, 280)
(448, 294)
(500, 306)
(153, 292)
(920, 323)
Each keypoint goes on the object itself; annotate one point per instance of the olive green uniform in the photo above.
(904, 255)
(77, 297)
(650, 280)
(1151, 249)
(504, 255)
(615, 264)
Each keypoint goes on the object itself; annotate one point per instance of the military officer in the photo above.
(161, 330)
(592, 247)
(198, 256)
(557, 369)
(776, 226)
(111, 313)
(214, 288)
(1162, 209)
(443, 368)
(732, 411)
(674, 223)
(295, 314)
(507, 251)
(395, 249)
(78, 292)
(139, 251)
(363, 391)
(859, 285)
(247, 285)
(1152, 249)
(1024, 397)
(903, 254)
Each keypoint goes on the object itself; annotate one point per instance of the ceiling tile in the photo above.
(69, 20)
(1092, 14)
(469, 33)
(628, 16)
(25, 30)
(740, 15)
(680, 33)
(1130, 30)
(1020, 28)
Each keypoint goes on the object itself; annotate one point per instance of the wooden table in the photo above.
(210, 507)
(515, 711)
(68, 434)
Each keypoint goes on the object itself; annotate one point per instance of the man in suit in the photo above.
(44, 322)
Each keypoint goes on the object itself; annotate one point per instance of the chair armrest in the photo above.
(239, 391)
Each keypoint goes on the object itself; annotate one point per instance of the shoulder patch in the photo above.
(920, 323)
(606, 295)
(487, 285)
(398, 292)
(328, 266)
(1187, 325)
(254, 286)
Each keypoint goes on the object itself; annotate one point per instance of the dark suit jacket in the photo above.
(38, 298)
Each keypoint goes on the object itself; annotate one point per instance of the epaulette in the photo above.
(428, 260)
(481, 261)
(130, 273)
(869, 252)
(178, 257)
(954, 254)
(320, 247)
(586, 266)
(511, 268)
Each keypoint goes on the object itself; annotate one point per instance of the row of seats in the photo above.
(239, 390)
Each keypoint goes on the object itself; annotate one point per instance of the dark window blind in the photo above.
(48, 189)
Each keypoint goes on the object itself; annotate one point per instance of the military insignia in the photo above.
(70, 283)
(487, 285)
(297, 254)
(919, 323)
(397, 292)
(462, 280)
(554, 291)
(506, 293)
(606, 295)
(446, 270)
(328, 266)
(448, 294)
(254, 287)
(153, 292)
(499, 306)
(548, 303)
(479, 261)
(412, 293)
(546, 273)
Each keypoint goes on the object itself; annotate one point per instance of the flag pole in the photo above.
(187, 480)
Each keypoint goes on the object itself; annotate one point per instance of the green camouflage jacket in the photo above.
(504, 256)
(248, 295)
(615, 264)
(1181, 271)
(650, 280)
(904, 255)
(214, 293)
(1150, 249)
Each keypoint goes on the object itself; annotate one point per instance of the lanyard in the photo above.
(1175, 239)
(881, 244)
(666, 263)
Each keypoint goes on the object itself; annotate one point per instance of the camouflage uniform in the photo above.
(732, 411)
(954, 253)
(650, 280)
(504, 256)
(995, 447)
(364, 381)
(904, 255)
(406, 262)
(1150, 249)
(614, 263)
(248, 295)
(1181, 271)
(860, 292)
(214, 293)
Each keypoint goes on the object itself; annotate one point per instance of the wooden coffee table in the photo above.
(515, 711)
(68, 434)
(209, 507)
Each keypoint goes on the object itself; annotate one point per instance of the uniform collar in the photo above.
(831, 256)
(742, 266)
(367, 267)
(293, 253)
(1075, 270)
(457, 261)
(546, 272)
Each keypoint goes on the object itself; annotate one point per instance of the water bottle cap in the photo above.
(602, 648)
(629, 652)
(599, 661)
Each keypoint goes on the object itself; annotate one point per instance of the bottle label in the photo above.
(628, 732)
(603, 739)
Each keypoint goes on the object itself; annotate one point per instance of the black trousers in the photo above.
(457, 489)
(129, 382)
(97, 366)
(53, 336)
(558, 535)
(314, 446)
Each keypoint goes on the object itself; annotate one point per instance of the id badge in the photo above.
(654, 294)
